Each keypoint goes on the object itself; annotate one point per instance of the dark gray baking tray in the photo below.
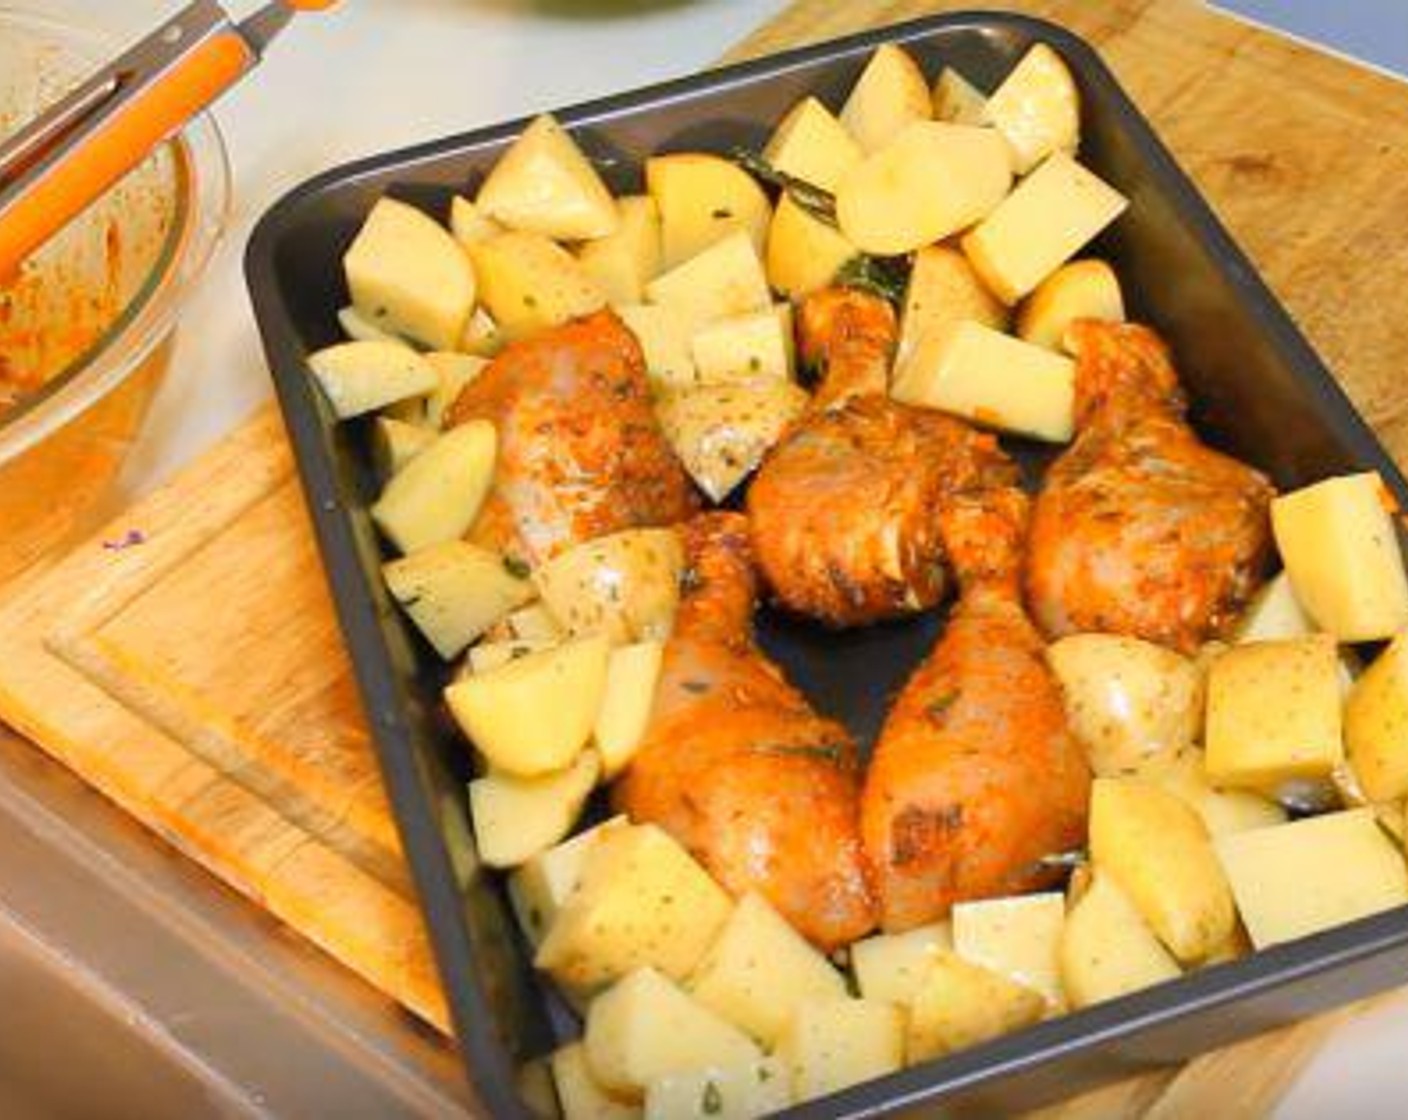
(1259, 392)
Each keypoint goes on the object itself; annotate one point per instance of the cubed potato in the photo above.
(804, 254)
(957, 100)
(890, 94)
(395, 443)
(1084, 289)
(753, 347)
(1054, 213)
(725, 279)
(943, 290)
(360, 329)
(760, 969)
(490, 655)
(930, 181)
(1274, 713)
(721, 432)
(1376, 724)
(530, 283)
(623, 262)
(544, 184)
(535, 623)
(437, 495)
(625, 585)
(832, 1044)
(454, 591)
(1223, 810)
(1037, 108)
(889, 966)
(579, 1096)
(1018, 937)
(408, 276)
(631, 678)
(542, 885)
(812, 145)
(1292, 880)
(1158, 851)
(1128, 701)
(517, 818)
(663, 334)
(533, 715)
(734, 1092)
(991, 379)
(642, 900)
(469, 223)
(455, 371)
(1275, 613)
(358, 377)
(482, 336)
(1107, 949)
(1340, 549)
(704, 198)
(960, 1004)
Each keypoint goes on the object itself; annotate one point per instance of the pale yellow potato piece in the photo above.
(748, 348)
(1338, 543)
(1108, 950)
(1223, 811)
(631, 679)
(1158, 851)
(1128, 701)
(957, 100)
(1275, 613)
(890, 94)
(437, 495)
(943, 290)
(454, 591)
(1295, 879)
(395, 443)
(812, 145)
(1037, 108)
(579, 1096)
(517, 818)
(804, 254)
(360, 329)
(992, 379)
(1084, 289)
(530, 283)
(1053, 214)
(409, 277)
(1018, 937)
(490, 655)
(1274, 713)
(960, 1004)
(482, 336)
(759, 971)
(624, 585)
(641, 900)
(358, 377)
(1376, 724)
(732, 1092)
(454, 371)
(543, 884)
(930, 181)
(722, 432)
(704, 198)
(623, 262)
(535, 623)
(663, 334)
(533, 715)
(831, 1044)
(469, 223)
(544, 184)
(889, 966)
(725, 279)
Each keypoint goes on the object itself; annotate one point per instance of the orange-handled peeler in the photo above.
(67, 157)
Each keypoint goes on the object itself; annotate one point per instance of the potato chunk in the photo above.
(1292, 880)
(804, 254)
(535, 623)
(622, 263)
(531, 283)
(469, 223)
(663, 334)
(358, 377)
(1273, 713)
(517, 818)
(642, 900)
(454, 591)
(437, 495)
(645, 1028)
(395, 443)
(1018, 937)
(960, 1004)
(1107, 949)
(1037, 108)
(625, 585)
(704, 198)
(890, 94)
(889, 966)
(957, 100)
(1376, 724)
(359, 329)
(578, 1093)
(455, 371)
(631, 678)
(753, 347)
(1084, 289)
(1339, 546)
(812, 145)
(725, 279)
(487, 656)
(831, 1044)
(1158, 851)
(943, 290)
(541, 886)
(1223, 810)
(544, 184)
(733, 1092)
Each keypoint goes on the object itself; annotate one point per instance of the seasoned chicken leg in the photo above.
(976, 776)
(737, 766)
(1140, 529)
(580, 452)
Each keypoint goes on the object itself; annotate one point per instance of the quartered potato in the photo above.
(578, 1094)
(957, 100)
(622, 263)
(1376, 725)
(1107, 949)
(544, 184)
(395, 443)
(1084, 289)
(812, 145)
(739, 1091)
(535, 623)
(490, 655)
(531, 283)
(943, 290)
(1037, 108)
(454, 371)
(663, 333)
(541, 886)
(1018, 937)
(360, 329)
(1223, 811)
(890, 94)
(517, 818)
(959, 1004)
(748, 348)
(725, 279)
(358, 377)
(889, 966)
(631, 679)
(804, 253)
(624, 586)
(437, 495)
(469, 223)
(702, 199)
(833, 1043)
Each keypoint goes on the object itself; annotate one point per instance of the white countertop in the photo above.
(380, 74)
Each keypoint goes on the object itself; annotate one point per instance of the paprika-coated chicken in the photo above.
(735, 763)
(842, 510)
(580, 451)
(976, 776)
(1140, 528)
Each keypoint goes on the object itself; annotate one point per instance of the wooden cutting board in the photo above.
(186, 662)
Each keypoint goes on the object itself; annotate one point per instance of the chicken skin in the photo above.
(842, 510)
(580, 452)
(1140, 528)
(975, 777)
(737, 766)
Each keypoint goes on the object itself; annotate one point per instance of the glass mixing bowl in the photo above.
(86, 327)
